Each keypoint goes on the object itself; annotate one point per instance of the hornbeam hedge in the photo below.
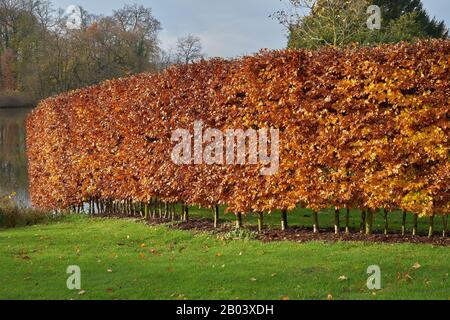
(359, 128)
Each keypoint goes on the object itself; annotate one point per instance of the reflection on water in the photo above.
(13, 162)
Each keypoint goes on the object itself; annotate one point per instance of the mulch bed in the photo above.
(302, 234)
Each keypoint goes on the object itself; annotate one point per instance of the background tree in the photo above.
(411, 15)
(42, 55)
(315, 23)
(189, 49)
(312, 24)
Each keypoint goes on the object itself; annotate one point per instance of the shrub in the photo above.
(12, 215)
(359, 128)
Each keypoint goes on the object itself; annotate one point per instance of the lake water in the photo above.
(13, 160)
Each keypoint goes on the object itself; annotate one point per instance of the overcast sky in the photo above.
(227, 28)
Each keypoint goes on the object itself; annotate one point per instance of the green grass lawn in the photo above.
(125, 259)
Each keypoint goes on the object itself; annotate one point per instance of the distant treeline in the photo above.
(41, 54)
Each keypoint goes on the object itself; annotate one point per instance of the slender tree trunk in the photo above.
(362, 224)
(166, 210)
(337, 226)
(141, 209)
(146, 211)
(403, 223)
(186, 213)
(369, 221)
(99, 208)
(159, 204)
(431, 227)
(239, 220)
(386, 222)
(315, 222)
(260, 221)
(284, 220)
(347, 220)
(216, 216)
(444, 225)
(415, 219)
(153, 207)
(90, 206)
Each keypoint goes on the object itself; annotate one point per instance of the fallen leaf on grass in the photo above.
(342, 278)
(416, 266)
(82, 292)
(408, 277)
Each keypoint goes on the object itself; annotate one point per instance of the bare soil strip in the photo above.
(302, 234)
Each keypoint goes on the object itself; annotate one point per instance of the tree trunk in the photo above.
(166, 210)
(386, 222)
(153, 207)
(130, 207)
(284, 221)
(415, 218)
(337, 224)
(216, 216)
(238, 220)
(260, 222)
(160, 208)
(347, 221)
(369, 222)
(186, 213)
(431, 227)
(146, 211)
(404, 223)
(96, 205)
(90, 207)
(362, 224)
(444, 225)
(315, 222)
